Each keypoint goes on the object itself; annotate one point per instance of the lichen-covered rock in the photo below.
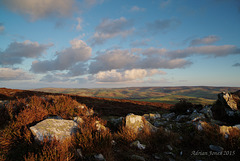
(137, 123)
(58, 128)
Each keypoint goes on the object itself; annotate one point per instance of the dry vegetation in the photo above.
(17, 142)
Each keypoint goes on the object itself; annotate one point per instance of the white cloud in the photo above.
(16, 52)
(79, 23)
(110, 28)
(37, 9)
(140, 43)
(7, 74)
(125, 76)
(205, 40)
(78, 52)
(137, 9)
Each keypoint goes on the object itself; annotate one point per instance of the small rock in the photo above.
(207, 111)
(216, 148)
(168, 115)
(78, 120)
(99, 126)
(181, 117)
(195, 116)
(171, 159)
(113, 142)
(169, 147)
(158, 156)
(159, 123)
(99, 157)
(137, 157)
(181, 153)
(170, 153)
(79, 152)
(138, 145)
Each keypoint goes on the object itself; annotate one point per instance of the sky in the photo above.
(119, 43)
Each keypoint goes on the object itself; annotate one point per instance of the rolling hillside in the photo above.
(198, 94)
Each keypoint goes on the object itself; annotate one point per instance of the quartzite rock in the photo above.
(58, 128)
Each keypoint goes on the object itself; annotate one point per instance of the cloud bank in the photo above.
(16, 52)
(66, 59)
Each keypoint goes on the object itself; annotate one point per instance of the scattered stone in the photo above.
(158, 156)
(181, 153)
(78, 120)
(79, 152)
(152, 116)
(207, 111)
(99, 157)
(58, 128)
(216, 148)
(195, 116)
(171, 159)
(159, 123)
(99, 126)
(170, 153)
(169, 147)
(138, 145)
(181, 118)
(137, 157)
(168, 115)
(113, 142)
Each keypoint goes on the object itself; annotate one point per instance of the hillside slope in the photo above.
(199, 94)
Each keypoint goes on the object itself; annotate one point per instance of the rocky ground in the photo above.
(55, 127)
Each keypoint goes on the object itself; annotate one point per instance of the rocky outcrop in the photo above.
(137, 123)
(53, 128)
(228, 100)
(226, 108)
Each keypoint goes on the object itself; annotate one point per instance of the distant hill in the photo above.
(196, 94)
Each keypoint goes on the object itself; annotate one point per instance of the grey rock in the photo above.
(159, 123)
(169, 147)
(168, 115)
(138, 145)
(58, 128)
(216, 148)
(137, 157)
(79, 153)
(99, 157)
(78, 120)
(181, 117)
(207, 111)
(158, 156)
(195, 116)
(136, 123)
(152, 116)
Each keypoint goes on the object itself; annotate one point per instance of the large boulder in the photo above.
(227, 99)
(54, 128)
(226, 108)
(137, 123)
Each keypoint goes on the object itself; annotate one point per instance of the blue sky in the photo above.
(110, 43)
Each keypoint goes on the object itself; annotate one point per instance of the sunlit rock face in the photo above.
(137, 123)
(54, 128)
